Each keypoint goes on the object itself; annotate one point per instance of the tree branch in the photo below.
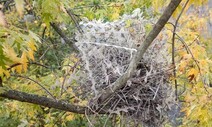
(73, 17)
(173, 48)
(60, 32)
(142, 49)
(65, 38)
(43, 101)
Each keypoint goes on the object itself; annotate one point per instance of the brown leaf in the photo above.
(191, 77)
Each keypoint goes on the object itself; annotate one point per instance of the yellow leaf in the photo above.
(133, 2)
(32, 46)
(177, 11)
(128, 23)
(198, 51)
(189, 98)
(182, 53)
(204, 65)
(1, 71)
(187, 56)
(18, 69)
(19, 6)
(24, 61)
(198, 2)
(4, 72)
(189, 111)
(74, 58)
(182, 66)
(70, 117)
(115, 16)
(158, 4)
(115, 13)
(192, 74)
(204, 99)
(193, 71)
(10, 53)
(30, 54)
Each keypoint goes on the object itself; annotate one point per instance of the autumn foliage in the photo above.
(38, 56)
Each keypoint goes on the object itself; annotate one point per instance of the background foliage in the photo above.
(35, 55)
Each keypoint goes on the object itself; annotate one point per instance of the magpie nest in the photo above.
(106, 50)
(145, 97)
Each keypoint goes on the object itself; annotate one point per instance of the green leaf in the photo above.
(2, 90)
(34, 36)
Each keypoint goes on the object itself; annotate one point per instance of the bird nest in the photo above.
(106, 50)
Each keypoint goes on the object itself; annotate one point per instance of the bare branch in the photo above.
(25, 77)
(39, 64)
(74, 19)
(61, 33)
(43, 101)
(188, 49)
(173, 47)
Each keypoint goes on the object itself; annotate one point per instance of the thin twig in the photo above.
(173, 47)
(43, 33)
(91, 125)
(58, 119)
(39, 64)
(196, 62)
(14, 65)
(73, 17)
(157, 90)
(71, 70)
(25, 77)
(188, 45)
(184, 43)
(44, 53)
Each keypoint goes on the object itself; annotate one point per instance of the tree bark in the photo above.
(43, 101)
